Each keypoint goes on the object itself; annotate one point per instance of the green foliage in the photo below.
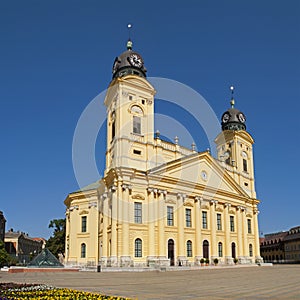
(216, 261)
(56, 243)
(5, 258)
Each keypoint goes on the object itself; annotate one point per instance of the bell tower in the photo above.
(235, 148)
(130, 113)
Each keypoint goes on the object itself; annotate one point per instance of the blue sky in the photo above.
(56, 56)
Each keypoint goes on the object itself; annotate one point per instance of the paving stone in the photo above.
(269, 282)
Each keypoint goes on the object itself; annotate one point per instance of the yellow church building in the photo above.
(160, 204)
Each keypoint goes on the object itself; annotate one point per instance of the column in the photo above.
(105, 215)
(213, 231)
(245, 235)
(161, 229)
(114, 216)
(256, 246)
(239, 233)
(198, 227)
(228, 254)
(182, 260)
(125, 258)
(67, 239)
(151, 258)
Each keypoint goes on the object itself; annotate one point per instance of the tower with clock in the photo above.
(160, 204)
(234, 148)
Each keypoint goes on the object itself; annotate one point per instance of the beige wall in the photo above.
(157, 174)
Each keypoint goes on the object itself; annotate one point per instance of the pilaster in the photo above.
(258, 258)
(181, 258)
(228, 254)
(125, 258)
(163, 260)
(105, 216)
(198, 241)
(114, 218)
(151, 258)
(213, 229)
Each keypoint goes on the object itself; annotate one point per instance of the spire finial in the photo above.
(129, 42)
(232, 99)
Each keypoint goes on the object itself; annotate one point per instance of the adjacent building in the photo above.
(272, 247)
(159, 203)
(281, 247)
(292, 245)
(22, 247)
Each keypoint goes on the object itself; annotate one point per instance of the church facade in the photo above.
(158, 203)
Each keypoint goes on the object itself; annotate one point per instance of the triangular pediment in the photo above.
(198, 170)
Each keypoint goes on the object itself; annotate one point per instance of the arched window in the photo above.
(245, 158)
(220, 249)
(250, 250)
(135, 109)
(189, 251)
(83, 250)
(137, 125)
(137, 120)
(138, 248)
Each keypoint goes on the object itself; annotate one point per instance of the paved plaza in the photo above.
(237, 282)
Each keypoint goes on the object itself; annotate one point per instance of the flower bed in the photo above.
(13, 291)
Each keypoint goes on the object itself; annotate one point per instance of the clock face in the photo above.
(241, 117)
(135, 60)
(225, 118)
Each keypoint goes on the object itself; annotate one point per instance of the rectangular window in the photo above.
(245, 165)
(137, 212)
(138, 152)
(204, 220)
(188, 217)
(170, 216)
(219, 222)
(249, 226)
(137, 125)
(83, 223)
(232, 223)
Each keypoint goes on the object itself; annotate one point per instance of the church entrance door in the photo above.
(233, 252)
(171, 252)
(205, 249)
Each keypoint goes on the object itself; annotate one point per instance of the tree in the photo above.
(5, 258)
(56, 243)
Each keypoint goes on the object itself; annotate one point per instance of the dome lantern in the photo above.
(129, 62)
(233, 119)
